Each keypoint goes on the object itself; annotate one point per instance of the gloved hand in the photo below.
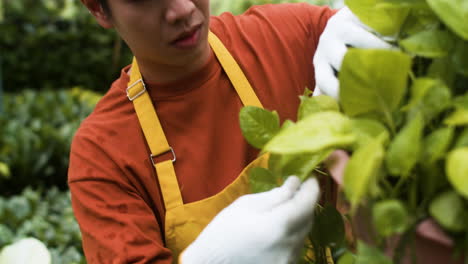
(267, 227)
(343, 30)
(25, 251)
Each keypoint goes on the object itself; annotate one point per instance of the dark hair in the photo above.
(105, 6)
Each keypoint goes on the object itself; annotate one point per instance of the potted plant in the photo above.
(402, 121)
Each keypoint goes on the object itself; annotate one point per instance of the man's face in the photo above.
(166, 32)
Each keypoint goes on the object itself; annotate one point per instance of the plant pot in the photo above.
(431, 245)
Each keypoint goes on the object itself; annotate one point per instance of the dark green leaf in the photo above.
(261, 180)
(459, 57)
(258, 125)
(462, 140)
(328, 229)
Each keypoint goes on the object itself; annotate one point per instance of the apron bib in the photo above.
(184, 222)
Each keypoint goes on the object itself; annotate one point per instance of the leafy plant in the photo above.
(57, 43)
(402, 116)
(44, 215)
(35, 136)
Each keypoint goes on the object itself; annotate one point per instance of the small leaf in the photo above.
(430, 97)
(328, 228)
(449, 211)
(261, 180)
(258, 125)
(318, 132)
(359, 176)
(436, 144)
(459, 57)
(302, 164)
(390, 217)
(367, 130)
(370, 255)
(368, 86)
(347, 258)
(462, 140)
(404, 150)
(4, 170)
(384, 18)
(453, 13)
(457, 118)
(311, 105)
(456, 167)
(432, 43)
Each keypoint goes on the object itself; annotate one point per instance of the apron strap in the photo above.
(234, 72)
(151, 126)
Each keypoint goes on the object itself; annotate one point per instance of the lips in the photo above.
(188, 38)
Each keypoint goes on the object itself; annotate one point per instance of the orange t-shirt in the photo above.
(114, 186)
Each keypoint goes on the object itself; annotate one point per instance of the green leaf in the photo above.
(453, 13)
(359, 176)
(311, 105)
(421, 18)
(404, 150)
(4, 170)
(390, 217)
(456, 167)
(370, 255)
(385, 18)
(347, 258)
(318, 132)
(432, 43)
(368, 86)
(328, 228)
(449, 210)
(430, 97)
(442, 69)
(367, 130)
(258, 125)
(462, 140)
(261, 180)
(459, 56)
(302, 164)
(436, 144)
(457, 118)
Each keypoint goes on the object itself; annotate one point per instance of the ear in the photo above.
(96, 9)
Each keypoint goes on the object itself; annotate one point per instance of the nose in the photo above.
(179, 10)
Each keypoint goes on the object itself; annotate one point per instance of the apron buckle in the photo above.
(152, 156)
(139, 90)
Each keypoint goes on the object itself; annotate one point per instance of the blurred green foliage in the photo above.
(57, 43)
(46, 215)
(35, 136)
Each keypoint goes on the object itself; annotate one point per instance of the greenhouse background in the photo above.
(55, 64)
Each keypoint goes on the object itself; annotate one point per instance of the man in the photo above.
(162, 154)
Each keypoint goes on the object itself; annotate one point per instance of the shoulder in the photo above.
(285, 19)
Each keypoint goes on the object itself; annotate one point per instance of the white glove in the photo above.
(25, 251)
(267, 227)
(343, 30)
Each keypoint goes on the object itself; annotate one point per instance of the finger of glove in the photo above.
(299, 210)
(358, 37)
(325, 78)
(317, 91)
(266, 200)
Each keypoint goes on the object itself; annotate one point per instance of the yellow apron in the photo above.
(184, 222)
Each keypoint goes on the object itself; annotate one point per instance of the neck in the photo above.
(162, 73)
